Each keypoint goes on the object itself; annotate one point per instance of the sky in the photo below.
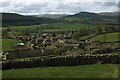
(35, 7)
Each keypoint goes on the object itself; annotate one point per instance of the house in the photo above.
(3, 55)
(47, 42)
(20, 46)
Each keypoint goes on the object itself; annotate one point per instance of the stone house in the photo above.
(20, 46)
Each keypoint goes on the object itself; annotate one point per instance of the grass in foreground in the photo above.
(83, 71)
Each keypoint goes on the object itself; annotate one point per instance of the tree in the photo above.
(26, 32)
(99, 30)
(76, 35)
(4, 33)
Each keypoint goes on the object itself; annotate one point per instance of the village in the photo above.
(57, 44)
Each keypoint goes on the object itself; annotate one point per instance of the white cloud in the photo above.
(57, 6)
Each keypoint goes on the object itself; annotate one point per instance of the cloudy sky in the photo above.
(34, 7)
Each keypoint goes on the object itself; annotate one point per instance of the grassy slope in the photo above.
(8, 44)
(109, 37)
(83, 71)
(61, 26)
(87, 36)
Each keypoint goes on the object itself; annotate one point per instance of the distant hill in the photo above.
(92, 18)
(13, 19)
(9, 19)
(92, 15)
(109, 13)
(16, 19)
(85, 15)
(52, 15)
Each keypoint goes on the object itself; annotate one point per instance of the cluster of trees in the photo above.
(16, 54)
(61, 61)
(97, 29)
(107, 29)
(107, 50)
(26, 53)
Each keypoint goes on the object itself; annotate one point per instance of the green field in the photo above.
(8, 44)
(83, 71)
(108, 37)
(87, 36)
(55, 27)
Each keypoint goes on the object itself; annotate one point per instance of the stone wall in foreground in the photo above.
(61, 61)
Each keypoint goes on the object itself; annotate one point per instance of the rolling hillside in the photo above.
(93, 15)
(92, 18)
(9, 19)
(109, 13)
(16, 19)
(13, 19)
(108, 37)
